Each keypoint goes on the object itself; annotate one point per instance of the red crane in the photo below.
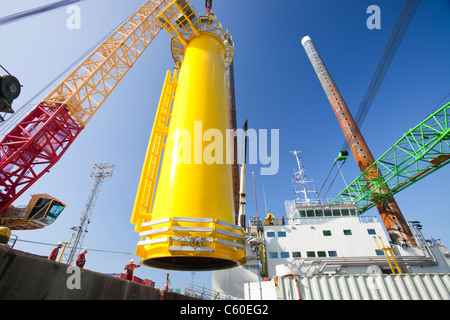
(39, 140)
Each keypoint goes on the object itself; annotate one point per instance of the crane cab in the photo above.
(40, 212)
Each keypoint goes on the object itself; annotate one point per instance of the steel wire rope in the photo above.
(440, 102)
(340, 168)
(332, 167)
(54, 245)
(401, 25)
(330, 185)
(36, 11)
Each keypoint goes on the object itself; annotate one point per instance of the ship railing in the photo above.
(368, 219)
(291, 205)
(314, 266)
(206, 294)
(323, 220)
(12, 240)
(434, 242)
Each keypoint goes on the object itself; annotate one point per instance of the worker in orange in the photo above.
(81, 259)
(54, 254)
(130, 268)
(283, 219)
(208, 5)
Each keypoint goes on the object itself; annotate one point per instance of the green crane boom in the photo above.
(421, 151)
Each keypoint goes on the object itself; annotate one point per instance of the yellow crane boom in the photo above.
(87, 87)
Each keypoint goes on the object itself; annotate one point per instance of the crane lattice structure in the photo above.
(421, 151)
(40, 139)
(100, 172)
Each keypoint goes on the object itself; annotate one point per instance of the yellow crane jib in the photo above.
(184, 210)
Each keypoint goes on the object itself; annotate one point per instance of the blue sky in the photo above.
(276, 88)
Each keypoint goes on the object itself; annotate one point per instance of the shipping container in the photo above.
(354, 287)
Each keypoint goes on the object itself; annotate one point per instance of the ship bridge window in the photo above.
(319, 213)
(321, 254)
(270, 234)
(352, 212)
(273, 255)
(281, 234)
(310, 213)
(336, 212)
(326, 233)
(296, 254)
(371, 231)
(348, 232)
(284, 254)
(332, 253)
(379, 252)
(327, 212)
(302, 213)
(345, 212)
(311, 254)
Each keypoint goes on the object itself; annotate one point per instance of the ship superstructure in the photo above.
(327, 242)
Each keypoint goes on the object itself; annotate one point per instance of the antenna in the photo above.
(256, 203)
(301, 180)
(264, 193)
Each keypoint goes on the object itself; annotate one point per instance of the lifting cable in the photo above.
(35, 11)
(331, 184)
(399, 29)
(439, 104)
(342, 157)
(54, 245)
(434, 109)
(326, 180)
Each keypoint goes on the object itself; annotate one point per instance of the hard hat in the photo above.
(86, 250)
(131, 260)
(60, 243)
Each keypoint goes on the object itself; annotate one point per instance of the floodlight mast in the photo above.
(100, 172)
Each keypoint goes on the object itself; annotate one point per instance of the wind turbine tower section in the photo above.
(185, 207)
